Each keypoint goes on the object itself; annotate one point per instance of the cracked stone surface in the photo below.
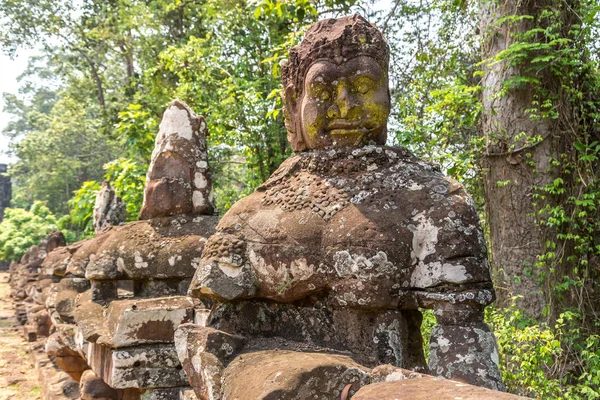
(425, 387)
(267, 375)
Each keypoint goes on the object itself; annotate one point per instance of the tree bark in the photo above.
(513, 167)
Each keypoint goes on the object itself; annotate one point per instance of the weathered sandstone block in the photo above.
(291, 375)
(159, 249)
(94, 388)
(65, 358)
(387, 337)
(146, 321)
(203, 352)
(148, 366)
(403, 385)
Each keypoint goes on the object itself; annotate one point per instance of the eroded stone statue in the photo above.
(337, 250)
(109, 209)
(178, 179)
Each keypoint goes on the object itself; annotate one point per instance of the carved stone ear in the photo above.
(292, 118)
(290, 99)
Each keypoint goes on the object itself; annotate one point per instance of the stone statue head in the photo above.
(335, 86)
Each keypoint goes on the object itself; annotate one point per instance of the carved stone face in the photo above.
(344, 105)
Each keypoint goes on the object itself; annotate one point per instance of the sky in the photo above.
(9, 71)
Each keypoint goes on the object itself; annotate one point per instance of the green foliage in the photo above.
(227, 76)
(136, 131)
(537, 360)
(118, 65)
(426, 328)
(435, 86)
(553, 54)
(546, 362)
(23, 228)
(108, 70)
(557, 69)
(82, 207)
(128, 178)
(61, 150)
(436, 91)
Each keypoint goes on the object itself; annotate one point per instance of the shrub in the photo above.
(23, 228)
(547, 362)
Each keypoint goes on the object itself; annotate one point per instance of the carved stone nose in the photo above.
(343, 103)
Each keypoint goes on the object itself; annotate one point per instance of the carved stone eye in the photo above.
(323, 95)
(319, 91)
(364, 84)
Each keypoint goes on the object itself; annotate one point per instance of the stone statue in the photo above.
(109, 209)
(338, 249)
(335, 86)
(178, 178)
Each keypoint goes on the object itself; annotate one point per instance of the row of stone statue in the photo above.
(309, 288)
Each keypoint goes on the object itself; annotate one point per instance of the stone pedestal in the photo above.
(224, 366)
(144, 367)
(372, 337)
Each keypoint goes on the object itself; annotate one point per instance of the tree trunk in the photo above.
(98, 81)
(95, 76)
(513, 166)
(127, 52)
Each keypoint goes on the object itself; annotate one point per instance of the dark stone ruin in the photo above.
(5, 195)
(5, 190)
(309, 288)
(109, 208)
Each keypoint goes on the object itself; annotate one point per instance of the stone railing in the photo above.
(308, 289)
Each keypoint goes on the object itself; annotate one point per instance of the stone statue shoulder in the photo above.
(334, 221)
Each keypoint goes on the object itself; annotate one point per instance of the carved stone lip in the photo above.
(346, 125)
(349, 132)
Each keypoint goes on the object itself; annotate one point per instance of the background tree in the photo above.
(540, 124)
(516, 114)
(220, 57)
